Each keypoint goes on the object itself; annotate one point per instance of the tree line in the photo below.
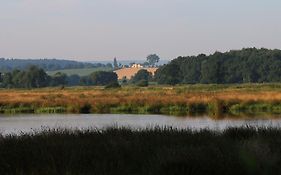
(248, 65)
(35, 77)
(7, 65)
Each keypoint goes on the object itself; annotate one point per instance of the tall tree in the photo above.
(152, 59)
(36, 77)
(115, 64)
(7, 80)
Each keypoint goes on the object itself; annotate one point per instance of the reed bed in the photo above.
(214, 99)
(162, 151)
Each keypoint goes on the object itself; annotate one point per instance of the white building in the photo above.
(137, 66)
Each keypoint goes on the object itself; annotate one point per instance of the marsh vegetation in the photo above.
(156, 151)
(215, 100)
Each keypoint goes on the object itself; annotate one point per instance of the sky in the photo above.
(132, 29)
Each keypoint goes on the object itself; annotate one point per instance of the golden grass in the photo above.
(129, 95)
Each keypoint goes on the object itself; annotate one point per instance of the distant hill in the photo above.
(7, 65)
(80, 72)
(248, 65)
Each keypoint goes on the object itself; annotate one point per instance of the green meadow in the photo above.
(80, 72)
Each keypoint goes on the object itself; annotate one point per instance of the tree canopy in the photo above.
(141, 75)
(249, 65)
(35, 77)
(152, 59)
(103, 78)
(59, 79)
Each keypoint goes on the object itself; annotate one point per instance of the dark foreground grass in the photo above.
(149, 152)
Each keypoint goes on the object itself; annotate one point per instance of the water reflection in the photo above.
(29, 123)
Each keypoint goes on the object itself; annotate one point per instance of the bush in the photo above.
(111, 85)
(141, 75)
(86, 109)
(142, 83)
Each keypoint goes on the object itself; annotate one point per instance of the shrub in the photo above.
(111, 85)
(85, 109)
(142, 83)
(141, 75)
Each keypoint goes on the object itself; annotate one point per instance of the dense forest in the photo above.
(7, 65)
(35, 77)
(249, 65)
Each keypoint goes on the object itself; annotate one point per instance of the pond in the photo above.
(29, 123)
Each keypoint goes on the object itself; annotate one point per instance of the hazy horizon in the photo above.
(95, 30)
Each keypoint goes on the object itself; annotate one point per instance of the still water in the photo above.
(29, 123)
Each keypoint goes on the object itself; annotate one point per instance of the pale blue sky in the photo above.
(132, 29)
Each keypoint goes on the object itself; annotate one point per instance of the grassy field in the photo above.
(80, 72)
(148, 152)
(216, 100)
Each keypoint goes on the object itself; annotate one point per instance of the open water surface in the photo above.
(20, 124)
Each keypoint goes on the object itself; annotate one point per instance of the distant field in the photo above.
(130, 72)
(80, 72)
